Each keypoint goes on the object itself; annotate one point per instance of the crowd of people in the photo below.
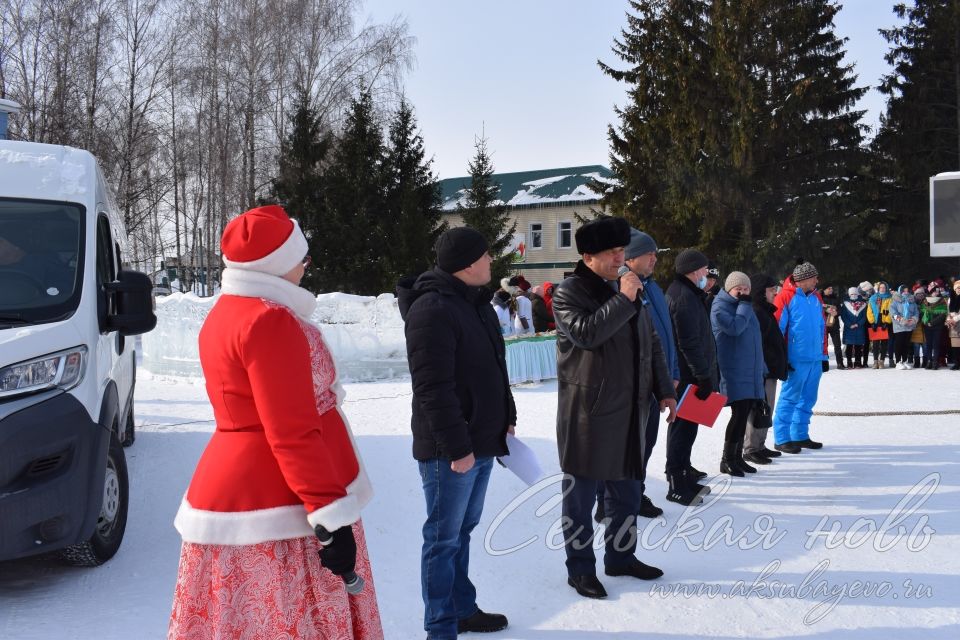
(916, 326)
(273, 544)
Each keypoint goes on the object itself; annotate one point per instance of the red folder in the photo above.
(703, 412)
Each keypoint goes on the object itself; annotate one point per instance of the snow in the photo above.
(749, 563)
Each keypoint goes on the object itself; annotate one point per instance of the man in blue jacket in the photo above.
(800, 316)
(641, 256)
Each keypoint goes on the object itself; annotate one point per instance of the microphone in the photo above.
(641, 294)
(351, 581)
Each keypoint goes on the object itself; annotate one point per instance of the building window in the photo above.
(536, 235)
(565, 239)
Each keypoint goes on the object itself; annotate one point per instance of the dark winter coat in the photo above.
(461, 392)
(609, 362)
(835, 302)
(854, 312)
(774, 346)
(541, 319)
(739, 348)
(697, 351)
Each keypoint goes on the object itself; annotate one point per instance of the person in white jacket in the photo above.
(523, 319)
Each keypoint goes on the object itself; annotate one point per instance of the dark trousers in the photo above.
(931, 347)
(837, 345)
(621, 503)
(681, 435)
(879, 349)
(737, 426)
(902, 347)
(856, 355)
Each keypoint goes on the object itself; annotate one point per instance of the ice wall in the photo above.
(364, 333)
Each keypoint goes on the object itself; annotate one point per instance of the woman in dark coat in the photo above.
(740, 356)
(854, 316)
(763, 290)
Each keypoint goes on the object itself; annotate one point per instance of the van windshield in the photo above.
(41, 261)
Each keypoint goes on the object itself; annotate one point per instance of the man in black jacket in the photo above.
(462, 412)
(609, 362)
(698, 365)
(763, 289)
(831, 307)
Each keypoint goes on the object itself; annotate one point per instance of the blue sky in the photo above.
(525, 73)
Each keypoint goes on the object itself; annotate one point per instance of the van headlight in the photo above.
(60, 370)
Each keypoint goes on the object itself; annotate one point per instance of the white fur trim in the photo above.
(241, 527)
(255, 284)
(346, 510)
(282, 259)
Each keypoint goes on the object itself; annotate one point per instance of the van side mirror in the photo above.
(133, 297)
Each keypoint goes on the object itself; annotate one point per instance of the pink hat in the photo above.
(264, 239)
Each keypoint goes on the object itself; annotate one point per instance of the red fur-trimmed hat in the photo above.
(264, 239)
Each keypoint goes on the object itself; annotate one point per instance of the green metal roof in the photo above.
(543, 186)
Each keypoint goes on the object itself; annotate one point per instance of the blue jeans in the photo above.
(454, 504)
(798, 394)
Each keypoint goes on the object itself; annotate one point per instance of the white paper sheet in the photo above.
(522, 461)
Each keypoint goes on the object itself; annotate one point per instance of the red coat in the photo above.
(282, 458)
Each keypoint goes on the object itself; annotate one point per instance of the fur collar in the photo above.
(255, 284)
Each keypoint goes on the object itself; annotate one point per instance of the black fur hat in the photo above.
(602, 234)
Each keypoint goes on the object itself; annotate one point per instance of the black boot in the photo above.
(916, 362)
(850, 363)
(679, 492)
(691, 479)
(482, 622)
(740, 462)
(840, 364)
(926, 363)
(728, 460)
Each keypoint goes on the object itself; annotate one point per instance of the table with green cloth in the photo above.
(531, 358)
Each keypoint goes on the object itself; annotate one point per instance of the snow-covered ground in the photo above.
(749, 563)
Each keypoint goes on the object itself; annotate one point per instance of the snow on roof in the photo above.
(544, 186)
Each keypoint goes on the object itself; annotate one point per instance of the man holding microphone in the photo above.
(609, 361)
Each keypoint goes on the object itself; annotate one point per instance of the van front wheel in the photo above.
(112, 522)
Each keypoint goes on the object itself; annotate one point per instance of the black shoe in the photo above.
(696, 473)
(648, 509)
(739, 461)
(787, 447)
(692, 483)
(635, 569)
(769, 453)
(482, 622)
(756, 458)
(587, 586)
(809, 444)
(679, 492)
(730, 469)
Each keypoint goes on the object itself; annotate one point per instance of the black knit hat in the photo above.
(458, 248)
(689, 260)
(602, 234)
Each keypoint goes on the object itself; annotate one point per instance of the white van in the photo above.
(67, 366)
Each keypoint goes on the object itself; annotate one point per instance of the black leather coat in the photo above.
(609, 361)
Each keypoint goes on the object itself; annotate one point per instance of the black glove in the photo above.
(826, 366)
(704, 388)
(339, 552)
(745, 297)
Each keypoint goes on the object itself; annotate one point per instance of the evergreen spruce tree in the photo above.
(738, 135)
(919, 134)
(486, 213)
(412, 203)
(299, 186)
(356, 208)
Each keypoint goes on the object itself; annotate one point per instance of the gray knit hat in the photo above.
(640, 244)
(803, 271)
(689, 260)
(736, 279)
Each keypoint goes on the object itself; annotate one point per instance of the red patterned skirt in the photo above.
(271, 590)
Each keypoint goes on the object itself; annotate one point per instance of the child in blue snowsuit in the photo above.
(800, 314)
